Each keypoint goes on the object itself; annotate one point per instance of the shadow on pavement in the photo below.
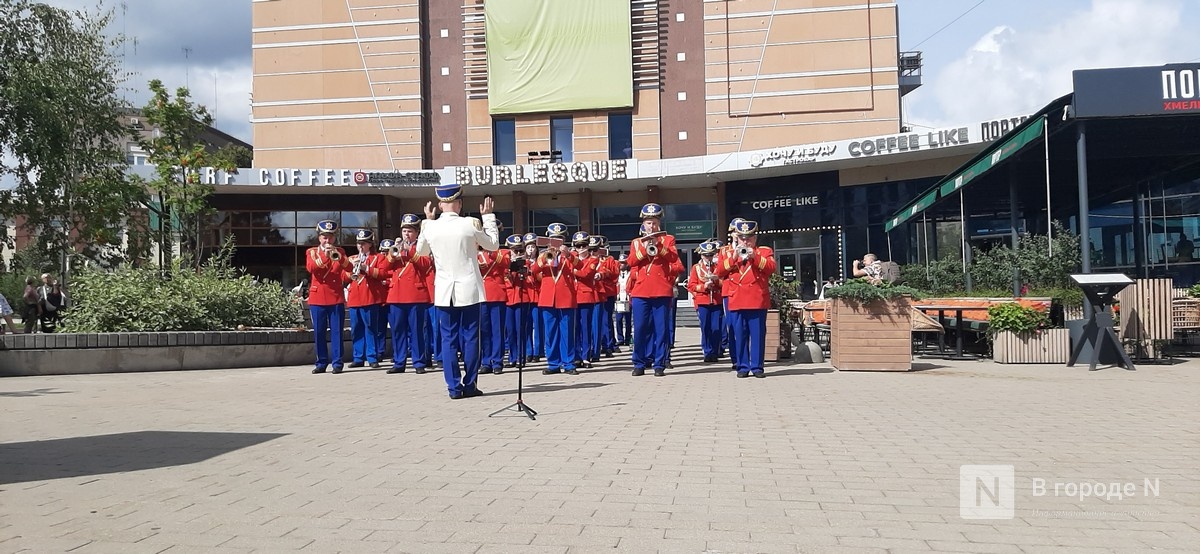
(97, 455)
(34, 392)
(798, 371)
(547, 387)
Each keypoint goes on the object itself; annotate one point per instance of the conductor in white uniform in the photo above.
(454, 242)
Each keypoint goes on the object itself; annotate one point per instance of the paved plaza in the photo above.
(806, 460)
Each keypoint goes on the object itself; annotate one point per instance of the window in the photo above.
(562, 137)
(504, 141)
(540, 218)
(620, 136)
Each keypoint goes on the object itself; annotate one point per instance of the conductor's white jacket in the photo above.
(454, 242)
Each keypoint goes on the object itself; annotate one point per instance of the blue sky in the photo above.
(1005, 57)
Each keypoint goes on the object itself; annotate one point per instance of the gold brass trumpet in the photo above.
(335, 254)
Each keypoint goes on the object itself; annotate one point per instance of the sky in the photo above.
(995, 58)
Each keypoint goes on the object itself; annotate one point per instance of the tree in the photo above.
(61, 136)
(178, 152)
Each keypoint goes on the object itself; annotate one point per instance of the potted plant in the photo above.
(1022, 335)
(871, 326)
(781, 319)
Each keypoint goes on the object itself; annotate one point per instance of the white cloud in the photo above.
(1018, 68)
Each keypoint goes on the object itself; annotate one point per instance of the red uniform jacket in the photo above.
(368, 289)
(699, 280)
(407, 279)
(752, 277)
(558, 283)
(493, 266)
(521, 286)
(656, 275)
(589, 289)
(326, 287)
(612, 271)
(727, 285)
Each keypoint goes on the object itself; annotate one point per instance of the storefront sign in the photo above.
(793, 155)
(547, 173)
(785, 202)
(909, 141)
(1129, 91)
(690, 230)
(294, 177)
(996, 128)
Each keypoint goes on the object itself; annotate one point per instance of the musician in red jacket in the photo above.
(750, 266)
(535, 347)
(493, 267)
(518, 322)
(612, 271)
(727, 287)
(365, 298)
(705, 287)
(556, 301)
(587, 297)
(408, 298)
(326, 264)
(656, 261)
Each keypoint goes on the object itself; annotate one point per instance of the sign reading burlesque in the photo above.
(546, 173)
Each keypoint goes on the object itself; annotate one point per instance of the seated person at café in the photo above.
(870, 268)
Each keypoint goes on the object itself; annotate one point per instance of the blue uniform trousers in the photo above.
(432, 334)
(750, 328)
(730, 336)
(650, 319)
(535, 345)
(492, 332)
(381, 326)
(624, 327)
(362, 333)
(518, 324)
(327, 327)
(607, 343)
(711, 319)
(459, 326)
(408, 334)
(587, 332)
(559, 330)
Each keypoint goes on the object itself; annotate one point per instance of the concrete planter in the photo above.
(872, 336)
(66, 354)
(1048, 346)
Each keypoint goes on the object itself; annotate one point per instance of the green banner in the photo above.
(558, 55)
(690, 230)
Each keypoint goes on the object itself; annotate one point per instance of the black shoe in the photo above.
(585, 365)
(356, 364)
(374, 365)
(743, 374)
(456, 396)
(760, 375)
(498, 370)
(572, 372)
(472, 393)
(485, 370)
(659, 372)
(319, 370)
(396, 370)
(638, 372)
(419, 371)
(548, 372)
(670, 365)
(608, 354)
(337, 369)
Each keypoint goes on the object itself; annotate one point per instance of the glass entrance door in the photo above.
(801, 265)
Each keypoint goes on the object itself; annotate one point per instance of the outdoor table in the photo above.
(958, 326)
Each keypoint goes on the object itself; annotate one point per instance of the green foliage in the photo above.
(1011, 316)
(12, 286)
(992, 271)
(859, 290)
(1194, 292)
(61, 130)
(783, 291)
(215, 297)
(177, 152)
(1071, 297)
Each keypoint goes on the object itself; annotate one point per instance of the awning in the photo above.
(1028, 132)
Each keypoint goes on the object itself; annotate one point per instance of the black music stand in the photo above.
(519, 405)
(1100, 290)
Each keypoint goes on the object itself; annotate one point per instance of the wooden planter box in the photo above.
(1048, 346)
(876, 336)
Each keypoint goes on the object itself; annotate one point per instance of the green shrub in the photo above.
(1011, 316)
(214, 298)
(859, 290)
(12, 286)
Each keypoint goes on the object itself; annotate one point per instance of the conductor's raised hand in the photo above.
(487, 206)
(430, 211)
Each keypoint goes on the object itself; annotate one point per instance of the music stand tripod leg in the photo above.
(519, 405)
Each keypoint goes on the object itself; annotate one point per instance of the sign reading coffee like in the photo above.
(546, 173)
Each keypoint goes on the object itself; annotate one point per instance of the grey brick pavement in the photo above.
(807, 460)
